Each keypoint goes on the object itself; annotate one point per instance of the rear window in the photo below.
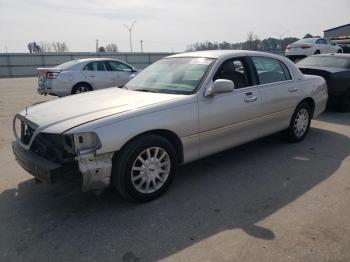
(306, 41)
(325, 61)
(67, 64)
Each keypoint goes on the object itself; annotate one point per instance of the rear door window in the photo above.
(270, 70)
(95, 66)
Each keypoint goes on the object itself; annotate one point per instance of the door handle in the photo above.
(250, 99)
(293, 89)
(92, 76)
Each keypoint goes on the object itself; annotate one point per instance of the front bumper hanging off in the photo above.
(93, 170)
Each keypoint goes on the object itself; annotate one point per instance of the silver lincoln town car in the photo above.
(179, 109)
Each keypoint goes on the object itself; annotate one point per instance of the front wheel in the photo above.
(340, 51)
(300, 123)
(145, 168)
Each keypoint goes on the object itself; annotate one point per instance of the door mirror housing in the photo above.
(220, 86)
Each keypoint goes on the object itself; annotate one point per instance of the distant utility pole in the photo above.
(129, 28)
(141, 42)
(6, 48)
(96, 45)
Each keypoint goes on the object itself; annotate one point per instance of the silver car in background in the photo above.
(179, 109)
(84, 75)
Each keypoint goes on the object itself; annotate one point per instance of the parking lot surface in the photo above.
(264, 201)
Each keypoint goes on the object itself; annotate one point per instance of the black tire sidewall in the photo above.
(74, 90)
(292, 137)
(121, 176)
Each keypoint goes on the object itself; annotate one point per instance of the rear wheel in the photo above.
(339, 51)
(317, 52)
(145, 168)
(81, 88)
(300, 123)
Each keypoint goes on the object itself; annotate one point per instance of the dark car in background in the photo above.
(335, 68)
(343, 42)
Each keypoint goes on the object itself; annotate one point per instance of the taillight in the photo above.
(51, 75)
(305, 46)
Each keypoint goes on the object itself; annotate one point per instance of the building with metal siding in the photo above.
(343, 30)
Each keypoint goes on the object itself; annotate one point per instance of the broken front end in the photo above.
(55, 158)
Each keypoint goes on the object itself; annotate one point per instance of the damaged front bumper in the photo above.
(94, 170)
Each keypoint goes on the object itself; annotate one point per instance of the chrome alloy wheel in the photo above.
(150, 170)
(301, 122)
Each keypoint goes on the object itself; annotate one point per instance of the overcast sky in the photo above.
(162, 25)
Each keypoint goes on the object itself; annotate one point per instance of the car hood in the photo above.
(82, 108)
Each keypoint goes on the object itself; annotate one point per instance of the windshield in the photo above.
(325, 61)
(67, 64)
(171, 75)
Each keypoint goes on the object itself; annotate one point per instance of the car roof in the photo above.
(95, 59)
(223, 54)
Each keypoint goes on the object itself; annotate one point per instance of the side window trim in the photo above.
(286, 71)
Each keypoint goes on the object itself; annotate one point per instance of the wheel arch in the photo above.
(311, 102)
(172, 137)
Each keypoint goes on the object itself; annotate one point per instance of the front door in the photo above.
(120, 72)
(229, 119)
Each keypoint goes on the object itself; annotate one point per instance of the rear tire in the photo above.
(144, 169)
(317, 52)
(300, 123)
(339, 51)
(81, 88)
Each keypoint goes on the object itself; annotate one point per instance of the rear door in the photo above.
(119, 71)
(323, 46)
(97, 75)
(279, 92)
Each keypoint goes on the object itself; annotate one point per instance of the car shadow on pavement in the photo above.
(235, 189)
(332, 116)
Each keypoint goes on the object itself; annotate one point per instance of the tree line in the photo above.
(46, 47)
(252, 43)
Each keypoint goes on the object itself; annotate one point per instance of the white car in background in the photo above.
(311, 46)
(83, 75)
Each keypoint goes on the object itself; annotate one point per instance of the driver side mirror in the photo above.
(220, 86)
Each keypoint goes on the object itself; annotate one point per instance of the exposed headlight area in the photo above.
(85, 143)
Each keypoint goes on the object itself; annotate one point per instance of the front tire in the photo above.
(144, 169)
(300, 123)
(317, 52)
(340, 51)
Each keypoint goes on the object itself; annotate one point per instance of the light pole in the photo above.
(96, 45)
(129, 28)
(281, 35)
(141, 42)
